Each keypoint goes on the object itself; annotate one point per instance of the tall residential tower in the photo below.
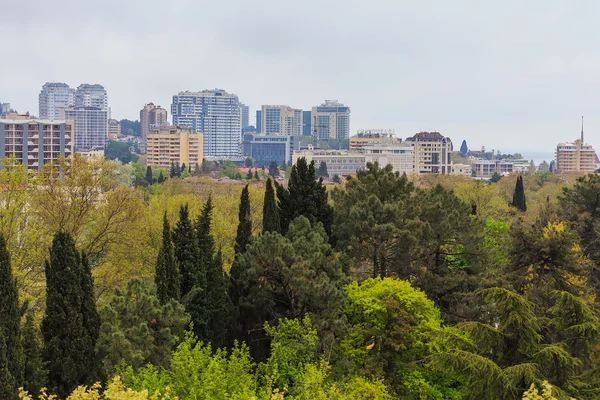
(330, 120)
(53, 98)
(152, 117)
(281, 120)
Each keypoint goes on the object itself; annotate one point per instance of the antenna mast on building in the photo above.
(582, 129)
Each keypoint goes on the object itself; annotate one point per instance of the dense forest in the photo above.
(381, 287)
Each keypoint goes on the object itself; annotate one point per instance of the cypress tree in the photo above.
(244, 230)
(186, 251)
(464, 149)
(91, 318)
(183, 169)
(220, 307)
(273, 169)
(172, 170)
(256, 175)
(270, 212)
(35, 371)
(11, 351)
(519, 195)
(249, 174)
(166, 276)
(322, 169)
(70, 318)
(149, 175)
(206, 242)
(161, 177)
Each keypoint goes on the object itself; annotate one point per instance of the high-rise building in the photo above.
(53, 98)
(431, 153)
(4, 109)
(216, 114)
(330, 120)
(259, 121)
(88, 95)
(306, 123)
(267, 148)
(35, 142)
(114, 128)
(152, 117)
(281, 120)
(575, 157)
(91, 126)
(174, 145)
(245, 110)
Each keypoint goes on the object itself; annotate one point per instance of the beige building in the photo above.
(152, 117)
(114, 128)
(93, 153)
(339, 162)
(35, 142)
(367, 137)
(281, 120)
(575, 157)
(400, 155)
(432, 153)
(461, 169)
(486, 168)
(330, 120)
(167, 145)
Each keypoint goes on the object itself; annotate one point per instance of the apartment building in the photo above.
(114, 129)
(91, 126)
(281, 120)
(171, 144)
(486, 168)
(339, 162)
(217, 115)
(431, 152)
(53, 98)
(330, 120)
(35, 142)
(267, 148)
(151, 117)
(88, 95)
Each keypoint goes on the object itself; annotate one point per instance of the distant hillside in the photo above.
(132, 128)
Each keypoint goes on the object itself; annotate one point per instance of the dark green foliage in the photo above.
(206, 242)
(70, 320)
(186, 252)
(322, 171)
(270, 221)
(172, 173)
(149, 175)
(519, 195)
(337, 179)
(11, 350)
(304, 196)
(35, 369)
(137, 329)
(495, 177)
(167, 277)
(121, 151)
(244, 230)
(256, 175)
(249, 174)
(132, 128)
(464, 149)
(220, 308)
(182, 169)
(273, 169)
(161, 177)
(249, 162)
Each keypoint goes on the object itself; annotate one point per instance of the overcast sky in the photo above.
(508, 75)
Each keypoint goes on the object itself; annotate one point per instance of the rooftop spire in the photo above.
(582, 129)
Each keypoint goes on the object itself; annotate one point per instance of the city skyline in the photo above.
(453, 68)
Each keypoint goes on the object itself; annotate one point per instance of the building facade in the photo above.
(367, 137)
(35, 142)
(431, 152)
(53, 98)
(174, 145)
(330, 120)
(91, 126)
(486, 168)
(400, 155)
(575, 157)
(306, 123)
(281, 120)
(267, 148)
(151, 117)
(339, 162)
(94, 95)
(4, 109)
(216, 114)
(245, 110)
(114, 129)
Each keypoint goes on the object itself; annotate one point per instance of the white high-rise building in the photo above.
(215, 113)
(53, 98)
(281, 120)
(88, 95)
(91, 126)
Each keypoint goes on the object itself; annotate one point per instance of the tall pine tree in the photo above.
(270, 212)
(149, 175)
(35, 371)
(11, 351)
(244, 230)
(186, 251)
(167, 276)
(220, 307)
(70, 320)
(519, 195)
(206, 243)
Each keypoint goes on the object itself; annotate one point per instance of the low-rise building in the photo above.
(486, 168)
(94, 153)
(267, 148)
(114, 129)
(461, 169)
(339, 162)
(400, 155)
(367, 137)
(35, 142)
(174, 145)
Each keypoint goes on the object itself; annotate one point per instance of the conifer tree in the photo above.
(206, 242)
(35, 371)
(322, 169)
(270, 212)
(519, 195)
(244, 230)
(220, 307)
(70, 319)
(256, 175)
(273, 169)
(149, 175)
(249, 174)
(166, 276)
(172, 171)
(464, 149)
(161, 177)
(91, 318)
(182, 169)
(186, 251)
(11, 351)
